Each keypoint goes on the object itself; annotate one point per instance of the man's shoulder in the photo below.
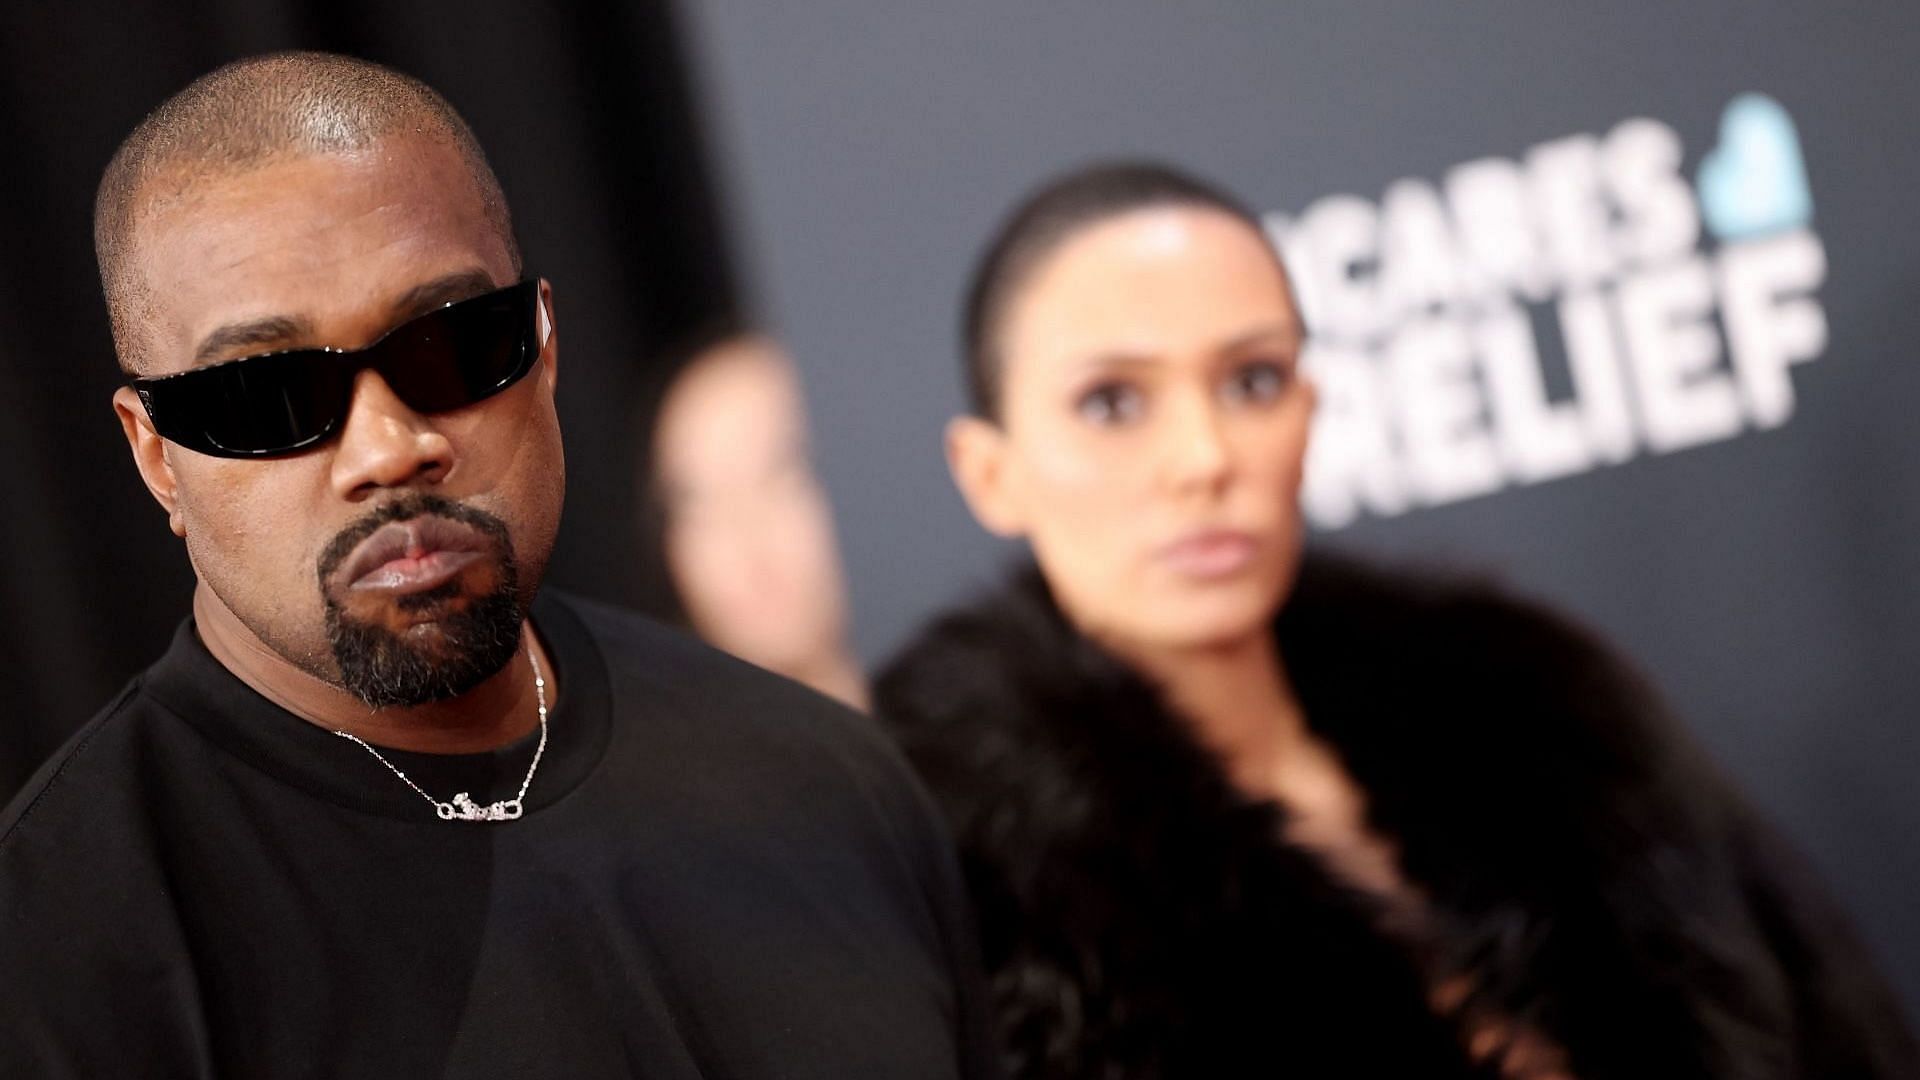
(622, 634)
(639, 649)
(703, 698)
(89, 929)
(667, 663)
(72, 778)
(78, 844)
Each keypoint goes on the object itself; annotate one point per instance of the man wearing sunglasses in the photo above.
(384, 809)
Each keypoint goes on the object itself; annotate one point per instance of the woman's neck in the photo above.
(1243, 708)
(1240, 702)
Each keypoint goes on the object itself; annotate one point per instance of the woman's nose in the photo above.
(1197, 454)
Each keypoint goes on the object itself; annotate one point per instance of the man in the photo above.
(366, 817)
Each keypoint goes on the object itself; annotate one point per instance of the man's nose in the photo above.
(385, 444)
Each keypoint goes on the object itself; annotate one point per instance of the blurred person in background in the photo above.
(742, 521)
(1227, 809)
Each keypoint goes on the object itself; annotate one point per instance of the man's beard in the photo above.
(383, 668)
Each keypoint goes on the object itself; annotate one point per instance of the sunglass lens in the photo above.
(268, 405)
(462, 353)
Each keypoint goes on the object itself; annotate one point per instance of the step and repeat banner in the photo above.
(1522, 319)
(1615, 302)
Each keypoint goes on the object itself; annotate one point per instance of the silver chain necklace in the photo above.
(463, 808)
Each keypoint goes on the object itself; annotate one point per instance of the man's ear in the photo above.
(548, 336)
(984, 473)
(149, 455)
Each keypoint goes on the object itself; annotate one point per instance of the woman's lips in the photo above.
(411, 556)
(1209, 554)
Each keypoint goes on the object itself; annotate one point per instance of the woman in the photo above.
(1228, 811)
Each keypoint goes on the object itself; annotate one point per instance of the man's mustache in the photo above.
(406, 507)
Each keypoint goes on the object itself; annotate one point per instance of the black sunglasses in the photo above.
(278, 403)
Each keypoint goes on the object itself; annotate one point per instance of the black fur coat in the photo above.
(1593, 877)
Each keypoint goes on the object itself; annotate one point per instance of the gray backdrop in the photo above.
(1761, 567)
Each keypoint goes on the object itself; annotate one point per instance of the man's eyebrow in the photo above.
(272, 330)
(446, 289)
(255, 334)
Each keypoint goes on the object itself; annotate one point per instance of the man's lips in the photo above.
(411, 556)
(408, 575)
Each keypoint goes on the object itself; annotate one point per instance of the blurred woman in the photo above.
(1230, 811)
(742, 521)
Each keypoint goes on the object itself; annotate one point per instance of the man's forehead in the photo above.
(328, 238)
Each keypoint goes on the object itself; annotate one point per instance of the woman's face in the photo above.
(1153, 424)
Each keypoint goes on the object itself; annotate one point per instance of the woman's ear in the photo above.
(149, 455)
(977, 454)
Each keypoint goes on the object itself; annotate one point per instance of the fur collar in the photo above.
(1583, 865)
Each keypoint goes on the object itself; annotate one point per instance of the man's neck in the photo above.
(502, 708)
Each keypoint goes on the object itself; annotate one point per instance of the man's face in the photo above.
(377, 559)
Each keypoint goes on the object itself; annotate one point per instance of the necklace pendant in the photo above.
(463, 808)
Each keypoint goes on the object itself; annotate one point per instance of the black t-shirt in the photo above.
(719, 874)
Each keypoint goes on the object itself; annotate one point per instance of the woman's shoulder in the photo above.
(1344, 612)
(1006, 642)
(1410, 606)
(1349, 623)
(1451, 690)
(1402, 647)
(1009, 714)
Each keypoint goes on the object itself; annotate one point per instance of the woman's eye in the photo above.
(1259, 382)
(1109, 403)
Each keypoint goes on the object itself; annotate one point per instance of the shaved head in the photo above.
(250, 113)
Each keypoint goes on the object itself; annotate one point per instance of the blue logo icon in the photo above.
(1755, 181)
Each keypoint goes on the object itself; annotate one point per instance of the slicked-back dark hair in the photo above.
(252, 111)
(1049, 216)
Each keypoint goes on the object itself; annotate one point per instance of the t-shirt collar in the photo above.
(190, 682)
